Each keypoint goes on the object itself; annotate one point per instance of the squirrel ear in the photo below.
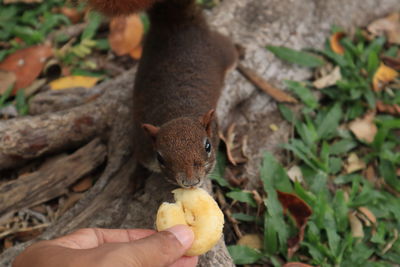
(151, 130)
(206, 121)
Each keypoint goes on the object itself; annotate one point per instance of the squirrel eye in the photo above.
(207, 146)
(160, 159)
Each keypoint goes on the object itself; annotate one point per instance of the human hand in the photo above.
(95, 247)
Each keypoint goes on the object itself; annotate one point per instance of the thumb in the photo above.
(163, 248)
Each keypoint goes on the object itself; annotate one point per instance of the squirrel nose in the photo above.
(190, 183)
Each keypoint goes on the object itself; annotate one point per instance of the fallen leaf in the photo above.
(389, 245)
(136, 53)
(125, 34)
(295, 174)
(21, 1)
(364, 220)
(234, 150)
(335, 42)
(72, 13)
(7, 79)
(39, 208)
(73, 81)
(300, 212)
(71, 200)
(26, 64)
(382, 76)
(370, 174)
(364, 129)
(296, 264)
(389, 26)
(8, 243)
(258, 199)
(30, 233)
(370, 216)
(392, 62)
(356, 226)
(244, 148)
(34, 87)
(296, 206)
(387, 108)
(233, 180)
(329, 79)
(278, 95)
(251, 240)
(354, 163)
(273, 127)
(83, 185)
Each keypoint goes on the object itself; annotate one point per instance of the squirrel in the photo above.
(178, 83)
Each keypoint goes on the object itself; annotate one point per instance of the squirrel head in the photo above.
(184, 149)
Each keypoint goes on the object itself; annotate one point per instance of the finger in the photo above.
(160, 249)
(186, 262)
(94, 237)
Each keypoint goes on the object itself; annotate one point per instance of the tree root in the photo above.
(110, 202)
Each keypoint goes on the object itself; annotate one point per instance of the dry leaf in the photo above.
(329, 79)
(398, 172)
(389, 245)
(30, 233)
(136, 53)
(257, 198)
(296, 206)
(364, 129)
(71, 200)
(83, 185)
(34, 87)
(22, 1)
(26, 64)
(278, 95)
(273, 127)
(370, 174)
(335, 42)
(8, 243)
(389, 26)
(251, 240)
(371, 217)
(73, 81)
(7, 79)
(354, 163)
(39, 208)
(234, 151)
(296, 264)
(295, 174)
(392, 62)
(356, 226)
(72, 13)
(382, 76)
(387, 108)
(125, 34)
(300, 212)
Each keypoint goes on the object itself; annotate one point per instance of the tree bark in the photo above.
(52, 179)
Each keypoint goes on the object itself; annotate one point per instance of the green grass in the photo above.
(30, 23)
(320, 148)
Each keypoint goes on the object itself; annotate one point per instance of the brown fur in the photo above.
(120, 7)
(178, 83)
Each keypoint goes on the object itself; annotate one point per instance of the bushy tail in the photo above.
(174, 10)
(125, 7)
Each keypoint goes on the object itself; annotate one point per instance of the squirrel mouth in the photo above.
(190, 184)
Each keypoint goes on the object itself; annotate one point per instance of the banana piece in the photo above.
(197, 209)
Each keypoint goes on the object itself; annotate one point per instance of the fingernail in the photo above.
(183, 233)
